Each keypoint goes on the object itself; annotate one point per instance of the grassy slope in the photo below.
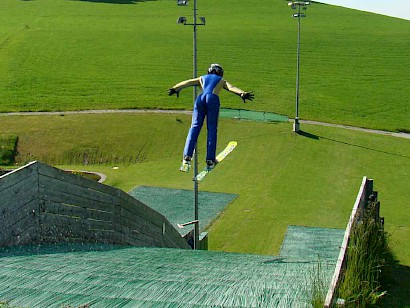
(59, 55)
(281, 178)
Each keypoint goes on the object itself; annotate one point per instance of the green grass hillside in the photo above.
(73, 54)
(281, 178)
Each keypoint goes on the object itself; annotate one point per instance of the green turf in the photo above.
(64, 55)
(281, 178)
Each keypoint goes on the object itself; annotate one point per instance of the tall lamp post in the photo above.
(298, 5)
(183, 20)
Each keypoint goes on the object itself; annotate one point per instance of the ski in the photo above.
(220, 157)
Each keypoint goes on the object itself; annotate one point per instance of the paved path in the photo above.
(36, 113)
(372, 131)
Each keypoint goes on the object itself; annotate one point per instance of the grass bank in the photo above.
(71, 55)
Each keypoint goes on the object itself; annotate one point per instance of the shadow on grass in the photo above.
(317, 137)
(396, 282)
(308, 135)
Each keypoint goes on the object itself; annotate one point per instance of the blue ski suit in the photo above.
(206, 106)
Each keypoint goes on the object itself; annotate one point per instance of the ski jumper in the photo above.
(206, 106)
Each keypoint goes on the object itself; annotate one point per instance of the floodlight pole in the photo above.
(296, 124)
(195, 72)
(298, 15)
(196, 203)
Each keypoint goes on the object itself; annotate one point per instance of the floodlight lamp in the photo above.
(299, 3)
(182, 20)
(203, 20)
(303, 3)
(182, 2)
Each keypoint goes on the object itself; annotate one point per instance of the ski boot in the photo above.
(210, 164)
(186, 164)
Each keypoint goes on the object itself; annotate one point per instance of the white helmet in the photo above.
(216, 69)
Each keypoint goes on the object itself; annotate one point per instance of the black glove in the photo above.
(172, 91)
(247, 95)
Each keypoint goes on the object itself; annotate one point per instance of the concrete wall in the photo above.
(42, 204)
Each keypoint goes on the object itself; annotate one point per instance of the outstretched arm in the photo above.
(231, 88)
(244, 95)
(183, 84)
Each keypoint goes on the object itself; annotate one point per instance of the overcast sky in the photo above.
(395, 8)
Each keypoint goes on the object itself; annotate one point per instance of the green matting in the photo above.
(177, 205)
(312, 242)
(101, 276)
(250, 115)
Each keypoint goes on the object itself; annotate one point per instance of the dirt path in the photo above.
(372, 131)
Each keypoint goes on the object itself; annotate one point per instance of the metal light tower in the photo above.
(297, 5)
(183, 20)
